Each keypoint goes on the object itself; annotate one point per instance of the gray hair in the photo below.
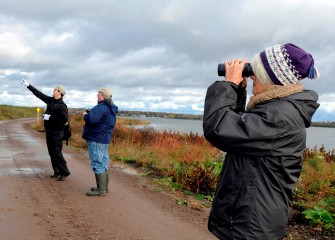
(259, 70)
(106, 92)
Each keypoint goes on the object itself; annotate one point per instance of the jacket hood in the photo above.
(306, 103)
(113, 108)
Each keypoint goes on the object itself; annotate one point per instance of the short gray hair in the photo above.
(106, 92)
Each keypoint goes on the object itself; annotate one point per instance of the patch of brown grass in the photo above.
(161, 152)
(317, 179)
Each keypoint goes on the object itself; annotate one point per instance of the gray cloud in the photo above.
(153, 54)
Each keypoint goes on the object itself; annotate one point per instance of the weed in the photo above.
(164, 181)
(210, 198)
(129, 160)
(146, 174)
(204, 197)
(317, 176)
(321, 216)
(198, 177)
(200, 196)
(187, 192)
(181, 201)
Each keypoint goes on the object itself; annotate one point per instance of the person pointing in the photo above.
(55, 117)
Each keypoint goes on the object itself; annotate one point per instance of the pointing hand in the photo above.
(24, 82)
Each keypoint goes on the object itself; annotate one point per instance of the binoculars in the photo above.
(247, 70)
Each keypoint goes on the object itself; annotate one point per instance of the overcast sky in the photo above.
(154, 55)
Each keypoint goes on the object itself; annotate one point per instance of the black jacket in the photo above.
(56, 108)
(264, 148)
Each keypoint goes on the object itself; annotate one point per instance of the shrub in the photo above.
(322, 215)
(199, 177)
(317, 177)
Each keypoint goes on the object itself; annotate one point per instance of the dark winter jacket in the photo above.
(264, 148)
(55, 107)
(99, 122)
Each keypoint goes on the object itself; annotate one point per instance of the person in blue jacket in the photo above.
(98, 129)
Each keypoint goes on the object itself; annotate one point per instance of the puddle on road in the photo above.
(5, 159)
(20, 136)
(23, 136)
(24, 171)
(2, 137)
(124, 168)
(129, 171)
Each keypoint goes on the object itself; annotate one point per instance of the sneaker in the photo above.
(54, 176)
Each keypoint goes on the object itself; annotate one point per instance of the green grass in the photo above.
(13, 112)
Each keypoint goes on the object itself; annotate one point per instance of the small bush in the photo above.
(199, 177)
(322, 215)
(317, 176)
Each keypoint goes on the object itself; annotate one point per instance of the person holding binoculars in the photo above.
(264, 140)
(98, 129)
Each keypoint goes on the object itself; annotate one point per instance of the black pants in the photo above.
(55, 146)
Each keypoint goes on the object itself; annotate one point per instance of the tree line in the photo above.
(12, 112)
(329, 124)
(159, 115)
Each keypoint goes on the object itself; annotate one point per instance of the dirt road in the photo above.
(34, 206)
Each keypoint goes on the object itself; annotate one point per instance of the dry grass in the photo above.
(317, 180)
(185, 157)
(189, 162)
(13, 112)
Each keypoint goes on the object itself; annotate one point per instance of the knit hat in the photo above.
(61, 89)
(284, 64)
(107, 93)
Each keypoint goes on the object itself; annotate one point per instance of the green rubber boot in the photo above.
(107, 183)
(101, 185)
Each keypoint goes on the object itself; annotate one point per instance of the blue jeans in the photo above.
(99, 156)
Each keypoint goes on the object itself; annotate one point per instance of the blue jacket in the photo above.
(100, 122)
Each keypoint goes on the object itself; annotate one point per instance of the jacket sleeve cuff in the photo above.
(234, 86)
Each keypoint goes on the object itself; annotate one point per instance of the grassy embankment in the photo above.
(184, 161)
(189, 164)
(10, 112)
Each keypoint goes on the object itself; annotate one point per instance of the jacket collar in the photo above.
(274, 91)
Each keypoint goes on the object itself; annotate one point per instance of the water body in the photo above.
(316, 136)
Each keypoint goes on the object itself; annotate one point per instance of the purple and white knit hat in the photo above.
(285, 64)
